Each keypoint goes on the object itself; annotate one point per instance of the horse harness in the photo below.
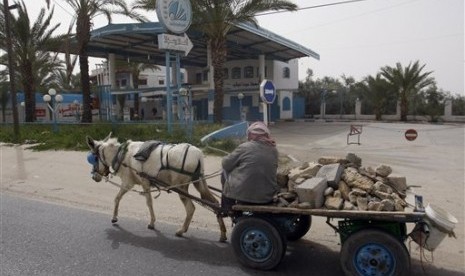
(143, 154)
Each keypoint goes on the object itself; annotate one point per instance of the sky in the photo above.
(358, 38)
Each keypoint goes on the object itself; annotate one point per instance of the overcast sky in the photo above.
(358, 38)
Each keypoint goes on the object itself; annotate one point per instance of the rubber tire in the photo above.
(300, 226)
(358, 246)
(257, 243)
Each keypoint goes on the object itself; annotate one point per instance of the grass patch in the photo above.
(73, 136)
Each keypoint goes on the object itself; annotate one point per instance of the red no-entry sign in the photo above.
(411, 134)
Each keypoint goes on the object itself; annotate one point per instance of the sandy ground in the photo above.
(435, 161)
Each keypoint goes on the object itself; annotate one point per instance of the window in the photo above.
(198, 78)
(236, 73)
(161, 81)
(248, 72)
(205, 75)
(286, 73)
(286, 104)
(142, 81)
(123, 83)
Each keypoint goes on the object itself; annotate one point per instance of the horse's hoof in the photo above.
(114, 220)
(179, 233)
(151, 227)
(223, 239)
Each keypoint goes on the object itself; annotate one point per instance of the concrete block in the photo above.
(312, 191)
(333, 173)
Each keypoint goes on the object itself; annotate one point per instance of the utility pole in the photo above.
(11, 69)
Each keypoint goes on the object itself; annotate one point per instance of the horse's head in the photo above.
(100, 156)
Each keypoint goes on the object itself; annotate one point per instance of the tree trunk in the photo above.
(218, 59)
(86, 100)
(83, 37)
(403, 108)
(29, 93)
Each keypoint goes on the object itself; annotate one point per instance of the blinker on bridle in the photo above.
(93, 158)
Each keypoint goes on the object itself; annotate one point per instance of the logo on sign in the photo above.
(175, 15)
(267, 91)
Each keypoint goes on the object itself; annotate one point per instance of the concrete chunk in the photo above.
(333, 173)
(312, 191)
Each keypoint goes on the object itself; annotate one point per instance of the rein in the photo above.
(159, 184)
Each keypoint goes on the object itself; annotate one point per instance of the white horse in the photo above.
(171, 164)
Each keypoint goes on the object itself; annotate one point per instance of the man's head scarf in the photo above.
(258, 131)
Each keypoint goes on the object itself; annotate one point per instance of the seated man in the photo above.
(249, 172)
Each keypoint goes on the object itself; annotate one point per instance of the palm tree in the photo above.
(215, 18)
(86, 11)
(407, 82)
(33, 63)
(377, 91)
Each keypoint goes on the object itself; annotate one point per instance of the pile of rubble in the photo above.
(342, 184)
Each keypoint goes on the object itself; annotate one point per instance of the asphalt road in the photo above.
(39, 238)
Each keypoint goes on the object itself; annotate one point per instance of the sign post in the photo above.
(268, 96)
(176, 17)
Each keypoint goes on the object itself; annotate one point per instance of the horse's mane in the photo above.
(112, 141)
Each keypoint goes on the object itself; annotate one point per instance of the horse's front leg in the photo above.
(123, 190)
(148, 200)
(190, 208)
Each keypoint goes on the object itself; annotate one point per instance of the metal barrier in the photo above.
(354, 130)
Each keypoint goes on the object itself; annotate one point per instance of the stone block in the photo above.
(375, 206)
(308, 169)
(383, 170)
(355, 180)
(312, 191)
(399, 183)
(354, 160)
(344, 189)
(326, 160)
(380, 186)
(362, 203)
(333, 173)
(334, 203)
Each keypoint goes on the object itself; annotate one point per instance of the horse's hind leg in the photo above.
(190, 208)
(118, 197)
(205, 193)
(148, 200)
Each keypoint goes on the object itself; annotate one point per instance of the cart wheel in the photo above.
(374, 252)
(297, 226)
(257, 243)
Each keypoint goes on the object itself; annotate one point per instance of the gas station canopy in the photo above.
(139, 42)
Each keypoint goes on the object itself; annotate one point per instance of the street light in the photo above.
(240, 96)
(55, 99)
